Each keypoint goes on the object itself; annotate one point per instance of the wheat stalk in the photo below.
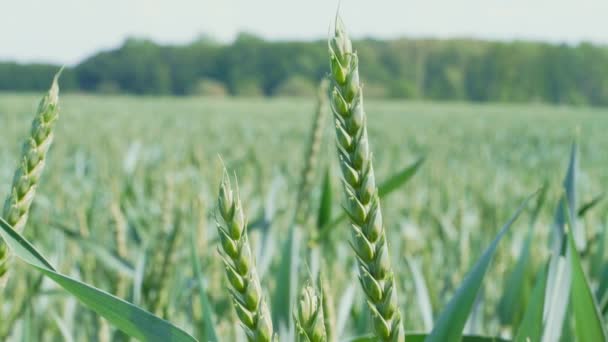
(328, 303)
(362, 203)
(23, 189)
(312, 152)
(249, 303)
(122, 250)
(309, 317)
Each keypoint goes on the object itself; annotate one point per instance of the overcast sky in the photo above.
(66, 31)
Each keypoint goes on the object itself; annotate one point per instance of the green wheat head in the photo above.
(23, 189)
(362, 203)
(249, 303)
(309, 316)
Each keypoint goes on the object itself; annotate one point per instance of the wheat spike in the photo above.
(309, 317)
(362, 202)
(249, 303)
(23, 189)
(312, 154)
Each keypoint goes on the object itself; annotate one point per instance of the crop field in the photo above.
(128, 203)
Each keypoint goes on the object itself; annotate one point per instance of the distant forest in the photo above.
(464, 70)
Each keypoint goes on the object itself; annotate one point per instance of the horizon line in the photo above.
(228, 42)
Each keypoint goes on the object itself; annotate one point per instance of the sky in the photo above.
(67, 31)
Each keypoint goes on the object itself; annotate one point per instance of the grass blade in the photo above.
(129, 318)
(326, 201)
(63, 328)
(395, 181)
(531, 327)
(450, 324)
(589, 325)
(287, 276)
(344, 308)
(208, 326)
(589, 205)
(138, 277)
(557, 295)
(415, 337)
(571, 198)
(422, 294)
(514, 286)
(597, 257)
(509, 308)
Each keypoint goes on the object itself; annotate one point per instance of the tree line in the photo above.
(465, 70)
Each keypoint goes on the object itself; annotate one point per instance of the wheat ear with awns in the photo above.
(23, 189)
(362, 202)
(249, 303)
(309, 316)
(302, 211)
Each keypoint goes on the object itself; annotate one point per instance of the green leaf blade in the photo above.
(416, 337)
(284, 296)
(589, 325)
(531, 327)
(208, 326)
(451, 322)
(398, 179)
(129, 318)
(326, 201)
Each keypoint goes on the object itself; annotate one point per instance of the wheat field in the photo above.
(129, 199)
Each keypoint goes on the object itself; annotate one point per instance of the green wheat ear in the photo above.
(249, 303)
(307, 177)
(309, 316)
(33, 157)
(362, 203)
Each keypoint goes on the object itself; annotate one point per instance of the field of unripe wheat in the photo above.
(130, 192)
(166, 219)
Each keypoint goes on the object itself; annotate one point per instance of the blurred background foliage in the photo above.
(461, 70)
